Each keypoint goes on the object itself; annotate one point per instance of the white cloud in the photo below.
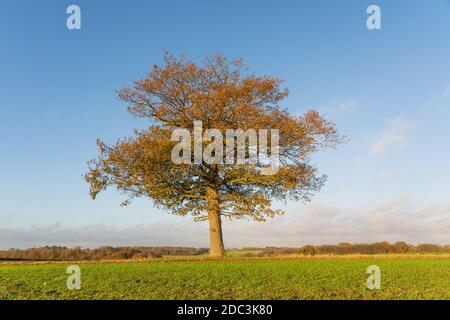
(334, 106)
(392, 138)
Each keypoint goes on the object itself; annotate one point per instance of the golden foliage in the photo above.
(223, 95)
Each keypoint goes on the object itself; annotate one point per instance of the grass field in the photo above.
(314, 278)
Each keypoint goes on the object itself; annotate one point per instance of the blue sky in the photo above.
(388, 90)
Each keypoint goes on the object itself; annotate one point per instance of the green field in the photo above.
(314, 278)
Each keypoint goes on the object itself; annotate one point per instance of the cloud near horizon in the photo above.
(397, 220)
(393, 137)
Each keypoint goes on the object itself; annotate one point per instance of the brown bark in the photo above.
(215, 224)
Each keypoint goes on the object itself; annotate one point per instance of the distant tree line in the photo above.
(362, 248)
(116, 253)
(102, 253)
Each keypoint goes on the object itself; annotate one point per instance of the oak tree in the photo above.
(223, 95)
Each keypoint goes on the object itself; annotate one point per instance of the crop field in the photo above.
(232, 278)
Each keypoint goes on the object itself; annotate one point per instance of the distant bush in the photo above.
(102, 253)
(361, 248)
(308, 250)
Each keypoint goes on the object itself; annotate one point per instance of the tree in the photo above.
(401, 246)
(223, 95)
(308, 250)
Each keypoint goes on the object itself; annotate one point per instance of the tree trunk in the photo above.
(216, 248)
